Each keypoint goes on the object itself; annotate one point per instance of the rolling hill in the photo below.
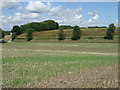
(53, 34)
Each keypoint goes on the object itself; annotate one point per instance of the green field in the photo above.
(59, 64)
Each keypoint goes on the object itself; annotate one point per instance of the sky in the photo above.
(82, 14)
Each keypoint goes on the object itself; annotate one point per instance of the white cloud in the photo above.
(38, 7)
(20, 18)
(26, 16)
(66, 16)
(90, 13)
(94, 17)
(63, 0)
(9, 0)
(9, 5)
(55, 11)
(78, 16)
(70, 16)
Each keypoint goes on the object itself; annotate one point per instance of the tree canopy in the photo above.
(16, 29)
(61, 35)
(65, 27)
(110, 32)
(40, 26)
(76, 33)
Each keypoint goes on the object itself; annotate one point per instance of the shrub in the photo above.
(61, 35)
(76, 33)
(110, 32)
(29, 34)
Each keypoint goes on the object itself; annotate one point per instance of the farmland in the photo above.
(59, 64)
(65, 44)
(53, 34)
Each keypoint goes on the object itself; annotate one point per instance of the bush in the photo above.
(76, 33)
(61, 35)
(14, 36)
(29, 35)
(110, 32)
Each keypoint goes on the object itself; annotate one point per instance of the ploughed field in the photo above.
(59, 65)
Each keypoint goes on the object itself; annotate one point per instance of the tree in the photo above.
(2, 33)
(76, 33)
(29, 34)
(40, 26)
(50, 25)
(57, 25)
(14, 36)
(65, 27)
(61, 35)
(110, 32)
(16, 29)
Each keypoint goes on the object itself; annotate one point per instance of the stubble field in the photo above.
(59, 65)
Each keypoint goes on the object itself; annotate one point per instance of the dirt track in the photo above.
(99, 77)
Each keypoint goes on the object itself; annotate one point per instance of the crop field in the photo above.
(53, 34)
(59, 65)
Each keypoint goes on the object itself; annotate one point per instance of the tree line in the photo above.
(76, 35)
(52, 25)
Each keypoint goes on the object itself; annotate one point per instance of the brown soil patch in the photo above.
(99, 77)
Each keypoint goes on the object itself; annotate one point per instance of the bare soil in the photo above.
(99, 77)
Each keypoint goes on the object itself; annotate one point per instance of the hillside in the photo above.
(53, 34)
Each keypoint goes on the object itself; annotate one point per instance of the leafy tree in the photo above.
(61, 35)
(51, 25)
(3, 34)
(14, 36)
(29, 34)
(7, 32)
(76, 33)
(57, 25)
(65, 27)
(16, 29)
(40, 26)
(110, 32)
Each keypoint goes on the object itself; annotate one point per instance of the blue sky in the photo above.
(75, 13)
